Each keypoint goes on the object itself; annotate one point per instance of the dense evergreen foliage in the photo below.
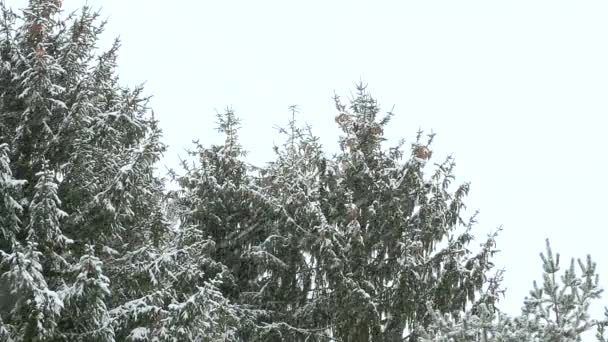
(556, 311)
(370, 244)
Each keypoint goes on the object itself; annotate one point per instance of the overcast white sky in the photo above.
(516, 90)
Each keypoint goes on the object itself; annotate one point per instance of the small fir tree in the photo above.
(37, 308)
(556, 311)
(86, 299)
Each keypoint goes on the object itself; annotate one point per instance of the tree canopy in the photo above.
(370, 244)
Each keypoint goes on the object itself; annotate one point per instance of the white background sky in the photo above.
(516, 90)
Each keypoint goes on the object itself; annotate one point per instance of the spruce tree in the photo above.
(38, 74)
(86, 299)
(370, 244)
(556, 311)
(217, 205)
(402, 241)
(300, 236)
(37, 308)
(83, 148)
(349, 247)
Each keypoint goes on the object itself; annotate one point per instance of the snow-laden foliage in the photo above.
(86, 299)
(177, 293)
(299, 236)
(44, 225)
(405, 241)
(10, 209)
(370, 244)
(218, 208)
(77, 169)
(348, 247)
(556, 311)
(36, 308)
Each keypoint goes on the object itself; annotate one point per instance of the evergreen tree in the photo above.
(38, 73)
(37, 308)
(86, 299)
(217, 201)
(85, 148)
(300, 237)
(344, 248)
(365, 245)
(403, 240)
(555, 311)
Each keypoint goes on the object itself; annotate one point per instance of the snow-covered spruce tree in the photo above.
(86, 300)
(556, 311)
(263, 226)
(36, 308)
(218, 206)
(300, 237)
(177, 290)
(84, 149)
(30, 104)
(348, 248)
(403, 240)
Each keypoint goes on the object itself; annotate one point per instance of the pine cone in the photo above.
(376, 130)
(343, 119)
(36, 28)
(422, 152)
